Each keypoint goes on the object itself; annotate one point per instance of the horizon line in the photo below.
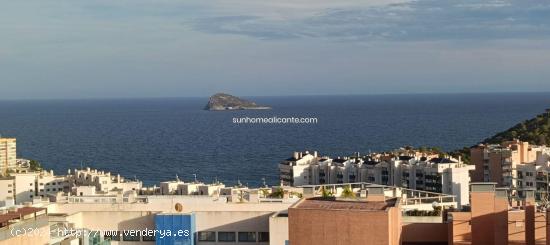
(269, 96)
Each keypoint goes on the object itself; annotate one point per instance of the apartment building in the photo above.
(7, 190)
(8, 154)
(312, 221)
(26, 186)
(498, 162)
(48, 184)
(535, 176)
(294, 170)
(179, 187)
(103, 181)
(374, 216)
(513, 164)
(410, 170)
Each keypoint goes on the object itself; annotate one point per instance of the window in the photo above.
(247, 236)
(226, 236)
(41, 183)
(207, 236)
(263, 236)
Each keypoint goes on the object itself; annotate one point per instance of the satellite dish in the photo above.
(179, 207)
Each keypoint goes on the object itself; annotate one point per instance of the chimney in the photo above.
(483, 218)
(529, 206)
(296, 155)
(315, 154)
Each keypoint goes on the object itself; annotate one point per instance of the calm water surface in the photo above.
(155, 139)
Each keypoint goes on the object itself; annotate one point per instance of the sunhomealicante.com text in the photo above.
(275, 120)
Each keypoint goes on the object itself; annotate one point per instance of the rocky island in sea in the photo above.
(222, 102)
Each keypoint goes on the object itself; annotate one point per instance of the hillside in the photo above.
(535, 131)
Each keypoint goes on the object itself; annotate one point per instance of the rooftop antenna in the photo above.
(239, 182)
(195, 177)
(263, 181)
(216, 180)
(81, 167)
(177, 178)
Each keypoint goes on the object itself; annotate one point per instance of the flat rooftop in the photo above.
(11, 215)
(336, 204)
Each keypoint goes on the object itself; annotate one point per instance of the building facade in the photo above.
(8, 154)
(425, 172)
(514, 164)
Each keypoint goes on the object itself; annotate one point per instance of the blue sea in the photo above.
(155, 139)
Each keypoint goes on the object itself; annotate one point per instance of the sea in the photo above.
(156, 139)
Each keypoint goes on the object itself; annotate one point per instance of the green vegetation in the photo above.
(464, 153)
(535, 131)
(278, 193)
(326, 193)
(416, 212)
(347, 192)
(35, 165)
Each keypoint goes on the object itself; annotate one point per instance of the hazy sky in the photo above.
(168, 48)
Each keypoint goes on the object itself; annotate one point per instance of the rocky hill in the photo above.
(222, 102)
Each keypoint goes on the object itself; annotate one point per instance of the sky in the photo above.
(168, 48)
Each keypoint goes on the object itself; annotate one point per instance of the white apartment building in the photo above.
(179, 187)
(170, 187)
(103, 181)
(293, 171)
(47, 183)
(7, 190)
(414, 171)
(8, 154)
(535, 175)
(26, 186)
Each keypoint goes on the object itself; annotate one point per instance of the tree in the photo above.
(35, 165)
